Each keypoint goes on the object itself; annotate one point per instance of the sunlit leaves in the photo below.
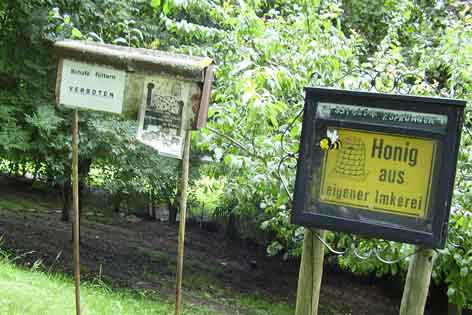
(156, 4)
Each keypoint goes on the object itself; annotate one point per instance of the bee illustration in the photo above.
(331, 141)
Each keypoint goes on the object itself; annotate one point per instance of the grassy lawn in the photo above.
(24, 292)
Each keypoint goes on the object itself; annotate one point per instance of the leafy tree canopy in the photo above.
(267, 51)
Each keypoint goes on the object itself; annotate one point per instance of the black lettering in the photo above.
(405, 155)
(392, 174)
(397, 153)
(387, 152)
(414, 203)
(377, 148)
(412, 157)
(352, 194)
(400, 202)
(407, 201)
(383, 175)
(383, 199)
(360, 195)
(392, 199)
(401, 179)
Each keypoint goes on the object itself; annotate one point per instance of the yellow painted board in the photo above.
(379, 172)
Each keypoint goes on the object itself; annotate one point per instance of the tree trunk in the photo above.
(172, 212)
(232, 228)
(154, 206)
(66, 191)
(454, 309)
(84, 170)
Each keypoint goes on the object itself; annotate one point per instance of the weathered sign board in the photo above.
(164, 116)
(92, 87)
(166, 93)
(390, 174)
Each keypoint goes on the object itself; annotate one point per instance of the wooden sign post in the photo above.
(182, 223)
(167, 94)
(75, 197)
(311, 273)
(417, 282)
(199, 123)
(379, 165)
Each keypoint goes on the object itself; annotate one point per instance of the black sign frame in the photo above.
(448, 139)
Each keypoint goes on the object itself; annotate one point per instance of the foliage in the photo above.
(266, 52)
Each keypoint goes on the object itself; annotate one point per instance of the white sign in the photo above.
(164, 115)
(90, 86)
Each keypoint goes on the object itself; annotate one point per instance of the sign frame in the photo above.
(109, 107)
(448, 138)
(137, 64)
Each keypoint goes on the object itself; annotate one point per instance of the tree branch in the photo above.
(237, 144)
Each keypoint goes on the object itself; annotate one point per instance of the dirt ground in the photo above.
(142, 256)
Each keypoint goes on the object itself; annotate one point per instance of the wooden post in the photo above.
(75, 193)
(417, 282)
(182, 221)
(311, 273)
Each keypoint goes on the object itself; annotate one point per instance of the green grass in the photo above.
(13, 202)
(259, 306)
(24, 292)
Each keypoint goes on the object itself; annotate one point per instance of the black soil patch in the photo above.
(142, 256)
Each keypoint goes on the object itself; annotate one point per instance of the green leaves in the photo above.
(76, 34)
(45, 120)
(266, 53)
(156, 4)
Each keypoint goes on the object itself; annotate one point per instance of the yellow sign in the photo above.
(379, 172)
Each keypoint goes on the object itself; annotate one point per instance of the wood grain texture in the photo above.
(75, 197)
(311, 273)
(182, 221)
(417, 282)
